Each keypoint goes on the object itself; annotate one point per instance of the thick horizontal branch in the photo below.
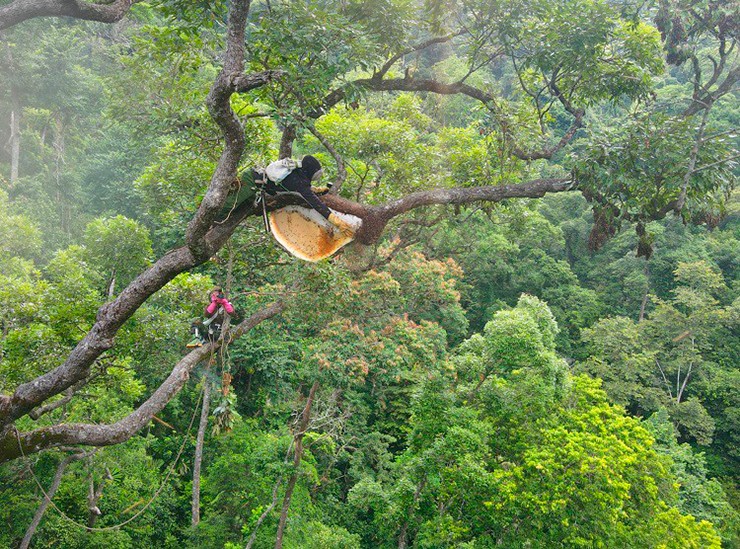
(54, 436)
(377, 83)
(466, 195)
(104, 12)
(376, 218)
(252, 81)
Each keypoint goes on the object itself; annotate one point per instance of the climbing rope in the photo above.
(146, 506)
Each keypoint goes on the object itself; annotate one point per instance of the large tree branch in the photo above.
(110, 318)
(377, 83)
(203, 240)
(219, 107)
(104, 12)
(375, 218)
(11, 442)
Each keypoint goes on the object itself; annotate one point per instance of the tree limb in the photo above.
(11, 442)
(56, 481)
(103, 12)
(341, 169)
(203, 240)
(248, 82)
(377, 83)
(709, 98)
(219, 107)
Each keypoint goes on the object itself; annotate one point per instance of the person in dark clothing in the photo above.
(299, 181)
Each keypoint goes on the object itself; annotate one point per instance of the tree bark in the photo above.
(107, 435)
(203, 239)
(403, 534)
(56, 481)
(198, 459)
(264, 514)
(643, 305)
(297, 455)
(286, 142)
(104, 12)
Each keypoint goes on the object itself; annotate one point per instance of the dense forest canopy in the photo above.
(532, 342)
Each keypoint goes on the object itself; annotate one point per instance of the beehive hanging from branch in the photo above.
(307, 235)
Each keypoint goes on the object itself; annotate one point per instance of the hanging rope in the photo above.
(140, 511)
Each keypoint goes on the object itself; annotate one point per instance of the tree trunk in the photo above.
(15, 134)
(647, 292)
(403, 536)
(14, 142)
(297, 455)
(286, 142)
(62, 197)
(264, 514)
(198, 459)
(94, 495)
(112, 285)
(47, 499)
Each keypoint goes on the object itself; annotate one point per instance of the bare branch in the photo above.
(247, 82)
(418, 47)
(103, 12)
(713, 164)
(467, 195)
(36, 413)
(219, 107)
(706, 100)
(341, 169)
(107, 435)
(377, 83)
(49, 493)
(692, 162)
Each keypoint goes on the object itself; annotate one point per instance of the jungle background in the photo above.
(553, 371)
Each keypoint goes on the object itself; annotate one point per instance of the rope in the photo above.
(236, 202)
(140, 511)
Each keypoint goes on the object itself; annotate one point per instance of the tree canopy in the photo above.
(531, 342)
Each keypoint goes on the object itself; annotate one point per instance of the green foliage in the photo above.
(119, 247)
(637, 171)
(598, 55)
(445, 415)
(698, 495)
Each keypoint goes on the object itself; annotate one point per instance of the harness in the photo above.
(207, 323)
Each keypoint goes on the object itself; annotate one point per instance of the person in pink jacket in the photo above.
(209, 329)
(218, 299)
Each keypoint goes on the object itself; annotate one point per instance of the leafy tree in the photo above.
(361, 423)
